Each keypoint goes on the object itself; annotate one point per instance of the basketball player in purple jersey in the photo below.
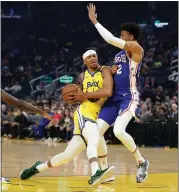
(121, 107)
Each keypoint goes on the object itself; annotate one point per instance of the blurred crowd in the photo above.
(20, 124)
(159, 108)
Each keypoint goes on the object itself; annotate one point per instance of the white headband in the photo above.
(89, 52)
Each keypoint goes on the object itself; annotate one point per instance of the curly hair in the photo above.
(132, 28)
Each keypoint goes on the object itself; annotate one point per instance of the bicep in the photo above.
(135, 50)
(107, 78)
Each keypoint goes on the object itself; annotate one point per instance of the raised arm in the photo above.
(131, 46)
(21, 104)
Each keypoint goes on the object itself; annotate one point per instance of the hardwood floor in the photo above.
(73, 176)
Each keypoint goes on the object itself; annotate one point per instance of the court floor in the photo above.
(73, 176)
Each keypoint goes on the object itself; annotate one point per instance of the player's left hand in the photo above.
(77, 97)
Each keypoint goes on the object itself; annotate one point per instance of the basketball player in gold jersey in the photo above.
(85, 130)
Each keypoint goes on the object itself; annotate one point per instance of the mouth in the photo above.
(94, 63)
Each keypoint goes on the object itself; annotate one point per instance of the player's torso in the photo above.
(92, 82)
(89, 109)
(125, 80)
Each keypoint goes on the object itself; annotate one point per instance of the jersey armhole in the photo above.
(80, 79)
(102, 67)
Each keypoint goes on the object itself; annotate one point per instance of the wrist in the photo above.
(95, 21)
(86, 95)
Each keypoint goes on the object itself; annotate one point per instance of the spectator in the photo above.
(144, 113)
(53, 126)
(16, 88)
(8, 88)
(175, 98)
(7, 120)
(19, 125)
(160, 96)
(161, 115)
(174, 112)
(147, 82)
(153, 83)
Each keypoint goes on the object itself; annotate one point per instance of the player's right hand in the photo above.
(114, 69)
(92, 13)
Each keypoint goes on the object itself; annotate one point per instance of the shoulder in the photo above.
(80, 78)
(134, 45)
(106, 71)
(81, 74)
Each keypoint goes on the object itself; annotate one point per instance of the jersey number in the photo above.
(119, 71)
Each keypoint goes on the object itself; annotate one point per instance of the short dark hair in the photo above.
(132, 28)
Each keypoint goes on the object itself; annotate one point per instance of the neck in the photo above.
(92, 70)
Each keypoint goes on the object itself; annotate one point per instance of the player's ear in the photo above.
(84, 61)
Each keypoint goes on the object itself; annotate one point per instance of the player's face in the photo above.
(91, 61)
(126, 36)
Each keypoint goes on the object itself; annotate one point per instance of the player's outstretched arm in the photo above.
(131, 46)
(21, 104)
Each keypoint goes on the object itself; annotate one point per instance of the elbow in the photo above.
(109, 39)
(109, 93)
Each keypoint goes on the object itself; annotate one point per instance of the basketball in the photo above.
(70, 88)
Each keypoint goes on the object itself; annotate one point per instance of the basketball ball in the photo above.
(70, 88)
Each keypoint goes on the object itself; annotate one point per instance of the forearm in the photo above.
(9, 99)
(108, 36)
(28, 107)
(101, 93)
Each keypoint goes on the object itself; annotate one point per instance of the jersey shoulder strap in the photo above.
(102, 67)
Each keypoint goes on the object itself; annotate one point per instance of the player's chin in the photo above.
(93, 65)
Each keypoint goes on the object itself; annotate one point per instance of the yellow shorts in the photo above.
(82, 114)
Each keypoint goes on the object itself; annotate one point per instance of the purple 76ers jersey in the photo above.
(125, 80)
(125, 93)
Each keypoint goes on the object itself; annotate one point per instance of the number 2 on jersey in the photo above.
(119, 71)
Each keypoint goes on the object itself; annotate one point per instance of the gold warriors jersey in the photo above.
(89, 109)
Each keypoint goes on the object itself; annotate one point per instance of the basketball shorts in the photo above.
(117, 105)
(83, 114)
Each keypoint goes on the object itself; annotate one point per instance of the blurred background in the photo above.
(42, 44)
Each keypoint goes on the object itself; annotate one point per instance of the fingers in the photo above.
(91, 7)
(77, 87)
(71, 95)
(71, 101)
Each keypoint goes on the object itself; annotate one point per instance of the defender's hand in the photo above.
(114, 69)
(92, 13)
